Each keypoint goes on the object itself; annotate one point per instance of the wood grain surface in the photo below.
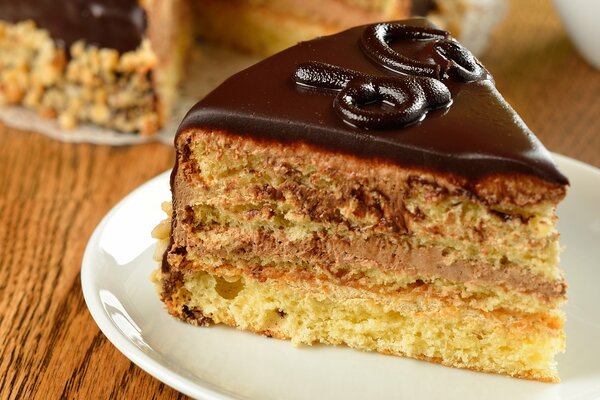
(52, 195)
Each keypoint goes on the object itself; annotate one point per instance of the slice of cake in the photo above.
(112, 63)
(373, 189)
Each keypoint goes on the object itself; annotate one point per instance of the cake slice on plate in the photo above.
(373, 189)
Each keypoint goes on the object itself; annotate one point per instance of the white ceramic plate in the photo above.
(223, 363)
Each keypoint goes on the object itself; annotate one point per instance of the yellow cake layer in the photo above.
(516, 344)
(398, 286)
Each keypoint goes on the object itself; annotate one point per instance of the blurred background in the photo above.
(545, 79)
(53, 194)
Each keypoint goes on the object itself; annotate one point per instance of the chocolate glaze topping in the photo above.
(415, 90)
(478, 135)
(117, 24)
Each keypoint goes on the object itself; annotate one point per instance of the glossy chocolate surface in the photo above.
(477, 136)
(116, 24)
(442, 58)
(360, 99)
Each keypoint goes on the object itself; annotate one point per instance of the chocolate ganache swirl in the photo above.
(409, 96)
(448, 58)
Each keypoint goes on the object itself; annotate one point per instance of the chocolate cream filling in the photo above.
(338, 256)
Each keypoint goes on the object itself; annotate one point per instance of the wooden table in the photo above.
(53, 194)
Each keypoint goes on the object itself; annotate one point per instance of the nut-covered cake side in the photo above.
(374, 191)
(113, 64)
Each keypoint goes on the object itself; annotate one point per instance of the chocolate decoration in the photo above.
(116, 24)
(411, 97)
(478, 136)
(448, 58)
(375, 39)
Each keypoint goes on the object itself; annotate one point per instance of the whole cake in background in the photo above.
(116, 64)
(371, 188)
(113, 63)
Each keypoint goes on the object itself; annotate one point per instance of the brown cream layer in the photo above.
(355, 211)
(348, 262)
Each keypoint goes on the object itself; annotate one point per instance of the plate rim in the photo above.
(199, 388)
(106, 325)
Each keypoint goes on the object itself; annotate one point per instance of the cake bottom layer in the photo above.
(516, 344)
